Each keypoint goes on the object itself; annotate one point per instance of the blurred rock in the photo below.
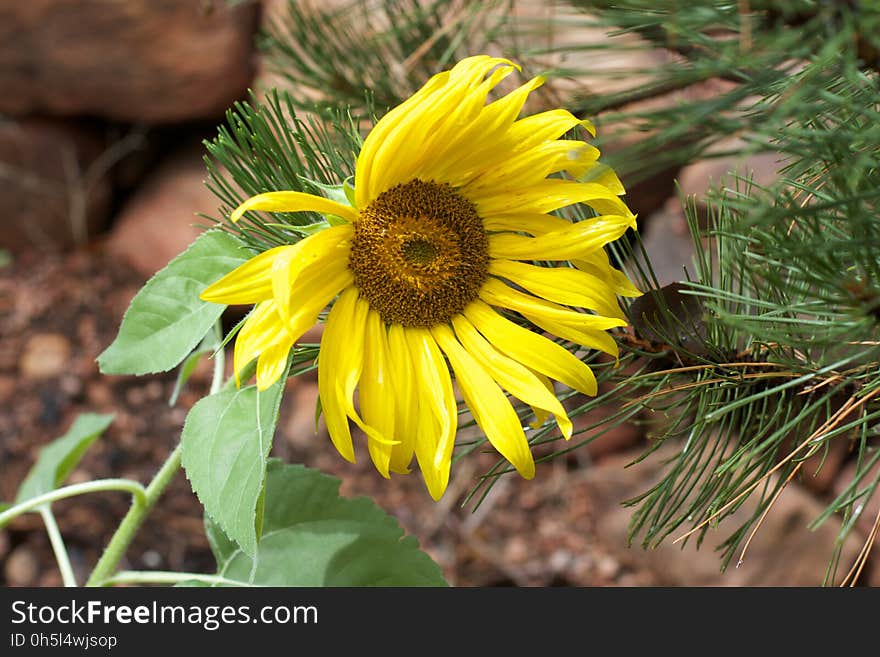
(49, 197)
(820, 471)
(45, 355)
(784, 552)
(728, 171)
(159, 221)
(21, 567)
(668, 243)
(871, 506)
(139, 60)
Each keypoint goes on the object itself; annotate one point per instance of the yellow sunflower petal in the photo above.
(579, 334)
(435, 385)
(597, 263)
(271, 363)
(570, 287)
(499, 294)
(397, 139)
(552, 194)
(324, 250)
(536, 223)
(418, 146)
(406, 408)
(470, 154)
(577, 241)
(293, 202)
(260, 330)
(314, 291)
(514, 377)
(248, 283)
(377, 399)
(532, 350)
(490, 406)
(340, 331)
(531, 167)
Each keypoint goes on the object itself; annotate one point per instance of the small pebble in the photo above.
(21, 567)
(45, 355)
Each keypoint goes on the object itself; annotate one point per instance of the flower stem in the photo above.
(165, 577)
(135, 517)
(141, 507)
(73, 490)
(58, 546)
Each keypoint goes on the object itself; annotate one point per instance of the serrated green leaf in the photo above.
(313, 537)
(59, 458)
(166, 319)
(226, 441)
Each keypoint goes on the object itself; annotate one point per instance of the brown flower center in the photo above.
(419, 254)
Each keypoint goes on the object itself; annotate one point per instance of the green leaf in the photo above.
(4, 506)
(166, 319)
(226, 441)
(209, 344)
(313, 537)
(59, 458)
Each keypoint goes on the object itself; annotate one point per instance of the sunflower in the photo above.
(452, 203)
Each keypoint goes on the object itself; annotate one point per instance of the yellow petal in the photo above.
(577, 241)
(530, 349)
(476, 149)
(322, 251)
(272, 362)
(531, 167)
(407, 401)
(394, 145)
(514, 377)
(583, 335)
(437, 400)
(571, 287)
(596, 263)
(248, 283)
(490, 406)
(339, 333)
(261, 329)
(420, 143)
(311, 294)
(498, 294)
(377, 392)
(287, 201)
(552, 194)
(536, 223)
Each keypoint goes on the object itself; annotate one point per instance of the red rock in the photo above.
(138, 60)
(48, 196)
(45, 355)
(159, 221)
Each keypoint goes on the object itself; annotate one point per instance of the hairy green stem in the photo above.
(165, 577)
(58, 546)
(135, 517)
(33, 504)
(141, 508)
